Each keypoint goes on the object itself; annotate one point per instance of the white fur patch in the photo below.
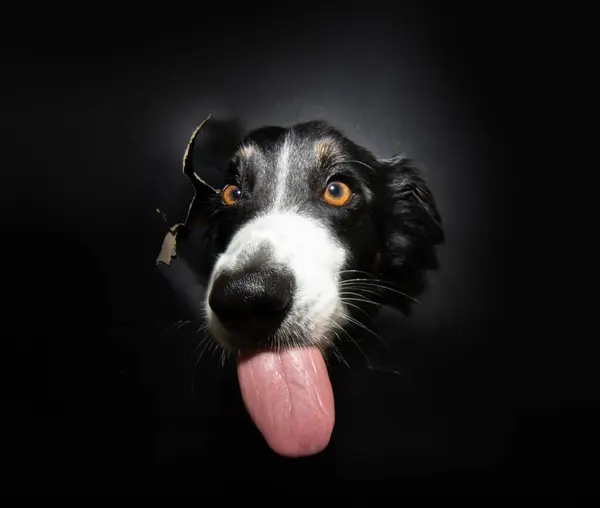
(309, 250)
(283, 168)
(281, 235)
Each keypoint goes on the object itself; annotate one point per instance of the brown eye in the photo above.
(231, 195)
(337, 194)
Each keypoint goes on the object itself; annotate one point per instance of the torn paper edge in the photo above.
(168, 249)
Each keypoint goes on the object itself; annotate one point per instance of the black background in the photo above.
(99, 106)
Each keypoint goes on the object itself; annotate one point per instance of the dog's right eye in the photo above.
(231, 194)
(337, 194)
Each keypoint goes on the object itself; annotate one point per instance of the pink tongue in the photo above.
(290, 399)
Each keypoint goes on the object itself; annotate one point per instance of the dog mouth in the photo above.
(274, 295)
(283, 379)
(289, 397)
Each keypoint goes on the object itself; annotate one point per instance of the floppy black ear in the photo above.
(412, 228)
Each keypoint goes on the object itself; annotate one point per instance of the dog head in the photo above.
(308, 230)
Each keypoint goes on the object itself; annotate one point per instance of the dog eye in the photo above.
(231, 194)
(337, 194)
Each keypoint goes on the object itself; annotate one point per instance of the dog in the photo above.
(309, 233)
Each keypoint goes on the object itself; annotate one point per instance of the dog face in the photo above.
(308, 230)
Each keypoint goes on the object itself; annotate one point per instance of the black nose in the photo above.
(252, 303)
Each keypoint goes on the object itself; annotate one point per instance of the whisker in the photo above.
(369, 280)
(224, 357)
(366, 279)
(176, 326)
(357, 307)
(370, 283)
(345, 161)
(200, 343)
(355, 342)
(356, 271)
(360, 288)
(364, 327)
(203, 341)
(337, 352)
(362, 164)
(363, 300)
(354, 294)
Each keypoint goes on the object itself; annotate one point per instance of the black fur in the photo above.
(390, 227)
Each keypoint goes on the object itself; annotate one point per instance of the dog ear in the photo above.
(412, 229)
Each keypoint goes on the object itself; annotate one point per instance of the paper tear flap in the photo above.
(202, 189)
(169, 246)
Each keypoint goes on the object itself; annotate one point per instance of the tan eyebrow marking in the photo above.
(326, 150)
(246, 151)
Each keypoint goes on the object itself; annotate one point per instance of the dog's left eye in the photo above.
(337, 194)
(231, 195)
